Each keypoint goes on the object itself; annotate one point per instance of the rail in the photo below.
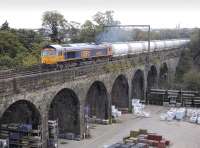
(36, 81)
(37, 69)
(42, 80)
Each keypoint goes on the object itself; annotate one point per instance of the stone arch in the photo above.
(22, 112)
(65, 108)
(120, 92)
(137, 83)
(97, 101)
(152, 78)
(163, 76)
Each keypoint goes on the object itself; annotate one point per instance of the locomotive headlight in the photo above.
(43, 60)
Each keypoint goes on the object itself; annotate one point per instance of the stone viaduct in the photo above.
(68, 95)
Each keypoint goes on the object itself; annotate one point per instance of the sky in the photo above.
(157, 13)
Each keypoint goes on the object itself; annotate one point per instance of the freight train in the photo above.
(74, 54)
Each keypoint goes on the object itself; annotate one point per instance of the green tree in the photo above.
(10, 45)
(6, 62)
(30, 60)
(185, 64)
(5, 26)
(28, 38)
(55, 23)
(195, 43)
(87, 33)
(74, 32)
(105, 18)
(191, 80)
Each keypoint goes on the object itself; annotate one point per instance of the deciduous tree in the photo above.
(55, 23)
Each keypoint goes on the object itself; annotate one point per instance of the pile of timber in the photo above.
(21, 135)
(174, 98)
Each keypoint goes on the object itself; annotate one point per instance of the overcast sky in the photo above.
(157, 13)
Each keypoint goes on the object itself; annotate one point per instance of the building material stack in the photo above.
(53, 134)
(4, 143)
(185, 114)
(21, 135)
(142, 139)
(138, 108)
(174, 98)
(95, 120)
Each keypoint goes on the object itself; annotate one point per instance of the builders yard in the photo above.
(181, 134)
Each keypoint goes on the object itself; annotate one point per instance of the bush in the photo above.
(184, 65)
(191, 80)
(6, 62)
(29, 60)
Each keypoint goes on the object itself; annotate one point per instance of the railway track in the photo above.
(12, 73)
(37, 69)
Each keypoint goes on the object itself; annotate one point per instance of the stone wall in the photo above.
(40, 89)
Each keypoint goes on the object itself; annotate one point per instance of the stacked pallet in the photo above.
(174, 98)
(53, 134)
(142, 139)
(95, 120)
(70, 136)
(4, 143)
(21, 135)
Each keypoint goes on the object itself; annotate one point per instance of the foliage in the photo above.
(105, 18)
(74, 32)
(195, 43)
(30, 60)
(55, 22)
(192, 80)
(185, 64)
(6, 62)
(19, 48)
(10, 44)
(5, 26)
(187, 74)
(87, 33)
(28, 38)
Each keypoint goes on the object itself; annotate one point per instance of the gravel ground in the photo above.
(181, 133)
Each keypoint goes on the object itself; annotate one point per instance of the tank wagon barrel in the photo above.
(129, 48)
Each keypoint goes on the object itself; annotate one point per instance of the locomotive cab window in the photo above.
(48, 52)
(44, 53)
(71, 54)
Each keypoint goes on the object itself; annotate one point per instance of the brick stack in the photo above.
(147, 139)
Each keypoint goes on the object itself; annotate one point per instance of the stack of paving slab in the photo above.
(174, 113)
(115, 112)
(142, 139)
(193, 115)
(190, 114)
(138, 108)
(4, 143)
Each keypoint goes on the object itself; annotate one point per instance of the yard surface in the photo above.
(182, 134)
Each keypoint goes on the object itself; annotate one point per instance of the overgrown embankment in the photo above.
(188, 70)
